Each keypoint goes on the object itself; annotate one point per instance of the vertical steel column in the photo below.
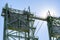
(28, 27)
(4, 33)
(49, 23)
(19, 35)
(32, 31)
(5, 23)
(28, 36)
(19, 27)
(25, 36)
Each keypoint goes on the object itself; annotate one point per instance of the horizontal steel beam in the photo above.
(39, 18)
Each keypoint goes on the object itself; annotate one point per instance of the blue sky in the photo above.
(38, 7)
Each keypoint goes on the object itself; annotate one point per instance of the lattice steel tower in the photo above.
(17, 24)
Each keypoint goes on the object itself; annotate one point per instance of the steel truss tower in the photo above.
(17, 24)
(53, 27)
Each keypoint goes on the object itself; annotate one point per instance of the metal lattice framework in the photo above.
(53, 27)
(17, 24)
